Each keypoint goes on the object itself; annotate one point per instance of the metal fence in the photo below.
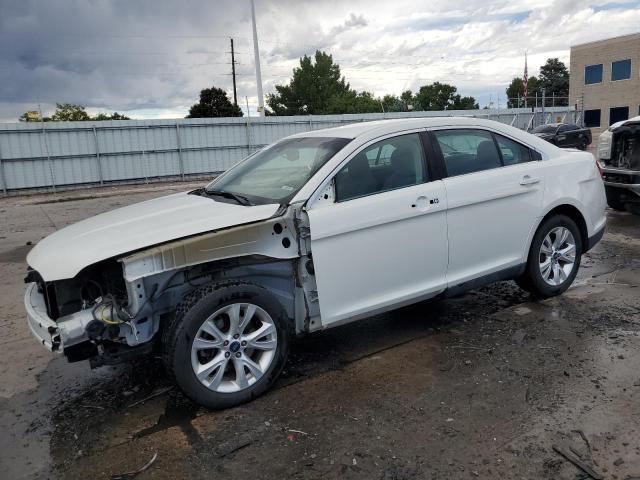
(66, 154)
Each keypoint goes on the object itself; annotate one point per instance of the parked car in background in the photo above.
(564, 135)
(619, 151)
(317, 230)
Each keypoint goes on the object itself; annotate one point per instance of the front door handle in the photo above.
(529, 180)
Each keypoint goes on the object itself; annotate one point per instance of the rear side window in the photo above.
(467, 151)
(512, 152)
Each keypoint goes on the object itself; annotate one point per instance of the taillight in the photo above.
(600, 168)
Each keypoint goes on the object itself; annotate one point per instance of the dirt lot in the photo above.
(480, 386)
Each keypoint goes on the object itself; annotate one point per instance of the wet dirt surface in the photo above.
(480, 386)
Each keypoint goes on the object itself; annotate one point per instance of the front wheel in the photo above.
(554, 257)
(227, 344)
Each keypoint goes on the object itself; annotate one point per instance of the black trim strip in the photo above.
(594, 239)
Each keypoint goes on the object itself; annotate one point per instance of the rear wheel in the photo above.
(615, 198)
(554, 257)
(227, 344)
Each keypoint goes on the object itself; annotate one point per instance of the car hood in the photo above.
(64, 253)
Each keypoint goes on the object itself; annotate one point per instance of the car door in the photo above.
(383, 242)
(565, 137)
(494, 192)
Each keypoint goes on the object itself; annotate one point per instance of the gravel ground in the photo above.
(481, 386)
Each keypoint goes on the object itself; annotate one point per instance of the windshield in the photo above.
(275, 174)
(545, 129)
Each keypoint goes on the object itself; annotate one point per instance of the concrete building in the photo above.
(606, 76)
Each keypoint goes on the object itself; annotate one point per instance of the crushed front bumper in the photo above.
(42, 327)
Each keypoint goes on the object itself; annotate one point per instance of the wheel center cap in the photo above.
(234, 347)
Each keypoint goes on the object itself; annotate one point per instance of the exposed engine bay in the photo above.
(625, 148)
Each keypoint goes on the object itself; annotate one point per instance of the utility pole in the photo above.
(544, 95)
(233, 74)
(256, 54)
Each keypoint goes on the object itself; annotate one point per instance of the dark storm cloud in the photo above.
(116, 54)
(154, 56)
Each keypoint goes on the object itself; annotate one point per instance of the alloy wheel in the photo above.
(557, 256)
(234, 347)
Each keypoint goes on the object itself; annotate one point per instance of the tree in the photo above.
(68, 112)
(214, 103)
(353, 102)
(113, 116)
(464, 103)
(408, 100)
(316, 88)
(515, 90)
(442, 96)
(554, 78)
(391, 103)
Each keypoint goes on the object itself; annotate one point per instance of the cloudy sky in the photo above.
(150, 58)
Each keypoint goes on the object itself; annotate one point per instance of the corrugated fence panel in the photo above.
(35, 155)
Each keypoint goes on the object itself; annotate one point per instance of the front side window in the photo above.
(275, 175)
(467, 151)
(392, 163)
(593, 74)
(621, 70)
(592, 118)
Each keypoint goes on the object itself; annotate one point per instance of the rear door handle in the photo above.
(529, 180)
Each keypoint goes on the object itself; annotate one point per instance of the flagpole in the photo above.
(525, 80)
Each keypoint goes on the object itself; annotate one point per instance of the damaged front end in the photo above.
(619, 151)
(88, 316)
(114, 309)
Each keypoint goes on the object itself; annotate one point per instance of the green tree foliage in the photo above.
(554, 78)
(391, 103)
(214, 103)
(68, 112)
(516, 89)
(442, 96)
(317, 87)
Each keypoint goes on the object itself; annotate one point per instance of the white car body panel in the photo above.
(366, 262)
(489, 218)
(64, 253)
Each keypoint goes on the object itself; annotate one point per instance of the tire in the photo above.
(195, 339)
(615, 198)
(558, 252)
(583, 143)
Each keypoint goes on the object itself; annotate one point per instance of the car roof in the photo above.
(383, 127)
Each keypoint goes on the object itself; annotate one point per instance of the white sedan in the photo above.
(316, 230)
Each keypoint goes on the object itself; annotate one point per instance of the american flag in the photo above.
(526, 79)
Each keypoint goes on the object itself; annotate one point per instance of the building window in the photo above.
(592, 118)
(618, 114)
(620, 70)
(593, 74)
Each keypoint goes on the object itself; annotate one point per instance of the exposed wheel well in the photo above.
(574, 214)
